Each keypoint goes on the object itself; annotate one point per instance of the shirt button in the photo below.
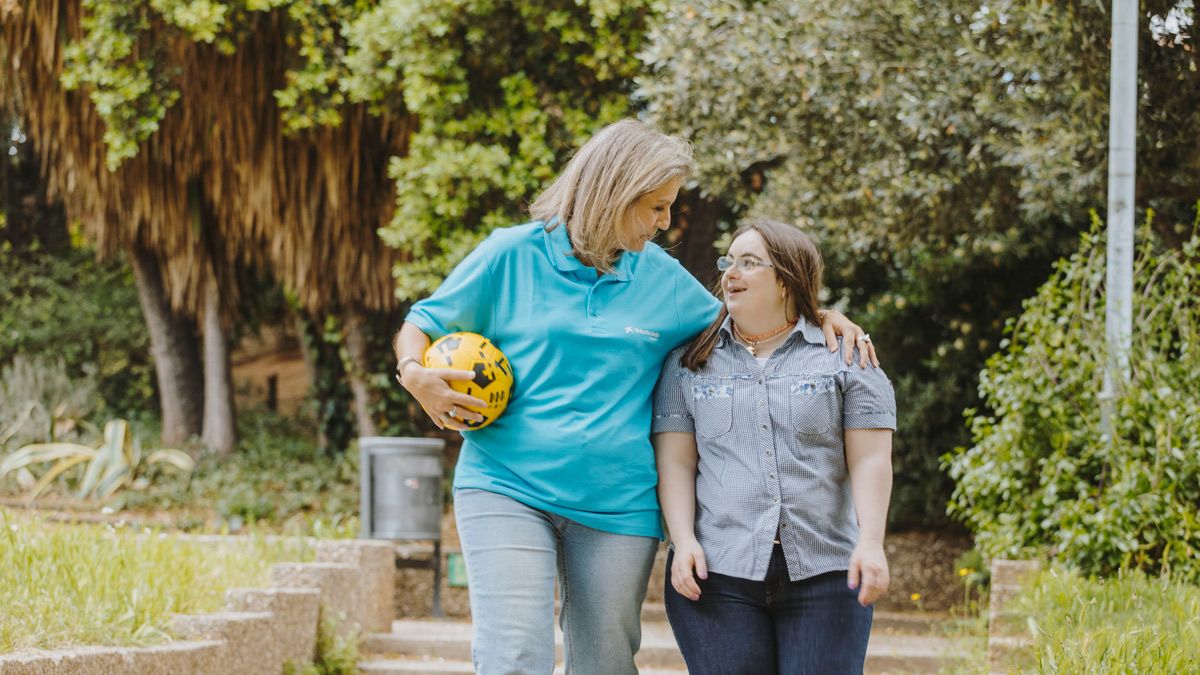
(760, 381)
(776, 500)
(765, 426)
(771, 475)
(768, 453)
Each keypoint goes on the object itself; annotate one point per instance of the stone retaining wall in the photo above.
(262, 628)
(1010, 645)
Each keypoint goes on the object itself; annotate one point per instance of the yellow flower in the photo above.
(916, 597)
(964, 571)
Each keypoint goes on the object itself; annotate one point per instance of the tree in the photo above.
(935, 149)
(210, 136)
(504, 91)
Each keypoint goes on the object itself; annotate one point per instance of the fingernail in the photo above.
(850, 586)
(704, 576)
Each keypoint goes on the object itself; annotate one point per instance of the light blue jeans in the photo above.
(514, 553)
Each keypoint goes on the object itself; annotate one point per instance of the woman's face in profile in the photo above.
(650, 214)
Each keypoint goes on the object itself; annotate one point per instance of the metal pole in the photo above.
(1122, 128)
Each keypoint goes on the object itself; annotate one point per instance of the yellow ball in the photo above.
(493, 375)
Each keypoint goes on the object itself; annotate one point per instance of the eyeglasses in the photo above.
(743, 264)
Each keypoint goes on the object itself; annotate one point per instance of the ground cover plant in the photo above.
(1130, 623)
(109, 585)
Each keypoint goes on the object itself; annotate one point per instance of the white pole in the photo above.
(1121, 170)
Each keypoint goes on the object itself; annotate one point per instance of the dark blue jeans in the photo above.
(772, 626)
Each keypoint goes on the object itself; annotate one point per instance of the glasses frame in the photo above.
(743, 264)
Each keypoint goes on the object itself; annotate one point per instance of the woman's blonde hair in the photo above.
(595, 192)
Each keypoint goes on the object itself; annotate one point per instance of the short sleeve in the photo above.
(695, 306)
(868, 399)
(464, 300)
(670, 407)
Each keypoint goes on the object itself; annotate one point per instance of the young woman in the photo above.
(563, 483)
(774, 463)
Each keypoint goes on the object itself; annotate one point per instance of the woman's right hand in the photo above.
(688, 556)
(445, 406)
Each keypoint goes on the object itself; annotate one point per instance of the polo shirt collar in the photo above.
(558, 245)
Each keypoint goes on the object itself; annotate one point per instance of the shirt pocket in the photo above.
(712, 407)
(814, 401)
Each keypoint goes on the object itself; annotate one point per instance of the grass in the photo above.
(106, 585)
(1127, 624)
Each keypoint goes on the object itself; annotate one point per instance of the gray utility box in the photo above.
(401, 486)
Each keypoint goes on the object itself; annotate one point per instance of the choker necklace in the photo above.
(752, 341)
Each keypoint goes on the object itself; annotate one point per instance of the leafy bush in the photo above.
(67, 306)
(278, 476)
(1044, 473)
(1128, 624)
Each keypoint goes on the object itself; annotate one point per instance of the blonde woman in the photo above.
(562, 486)
(774, 462)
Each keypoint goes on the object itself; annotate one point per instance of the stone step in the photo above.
(416, 665)
(891, 623)
(425, 646)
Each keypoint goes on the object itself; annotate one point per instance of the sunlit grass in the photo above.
(64, 585)
(1128, 624)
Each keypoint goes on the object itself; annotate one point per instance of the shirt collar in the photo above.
(558, 245)
(808, 331)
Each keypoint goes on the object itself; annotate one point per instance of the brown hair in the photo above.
(598, 187)
(797, 264)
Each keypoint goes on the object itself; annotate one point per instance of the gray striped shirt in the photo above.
(771, 449)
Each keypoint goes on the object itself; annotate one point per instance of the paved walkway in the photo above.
(900, 643)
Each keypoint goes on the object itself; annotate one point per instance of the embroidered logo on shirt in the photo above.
(704, 392)
(810, 388)
(633, 330)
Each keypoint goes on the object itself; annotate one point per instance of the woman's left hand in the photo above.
(834, 323)
(868, 573)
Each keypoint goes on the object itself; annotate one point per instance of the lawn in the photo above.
(76, 584)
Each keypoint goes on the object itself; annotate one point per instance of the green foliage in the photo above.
(966, 125)
(932, 147)
(131, 91)
(40, 402)
(503, 91)
(124, 59)
(1128, 624)
(104, 585)
(65, 306)
(277, 476)
(117, 464)
(1045, 472)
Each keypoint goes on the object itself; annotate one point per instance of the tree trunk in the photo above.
(176, 354)
(220, 432)
(693, 232)
(356, 371)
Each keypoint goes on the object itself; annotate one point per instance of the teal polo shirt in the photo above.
(586, 351)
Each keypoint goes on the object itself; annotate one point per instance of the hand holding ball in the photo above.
(493, 375)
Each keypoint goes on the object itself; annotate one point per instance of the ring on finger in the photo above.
(865, 337)
(453, 412)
